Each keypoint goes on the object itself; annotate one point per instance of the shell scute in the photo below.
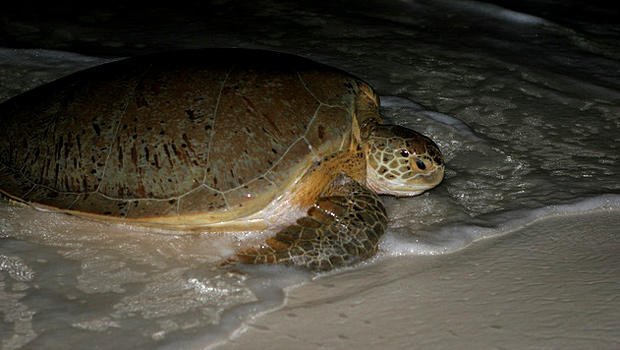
(202, 200)
(169, 145)
(250, 196)
(65, 160)
(96, 203)
(272, 102)
(290, 165)
(329, 129)
(147, 208)
(331, 88)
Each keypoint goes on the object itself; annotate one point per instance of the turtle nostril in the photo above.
(404, 153)
(420, 164)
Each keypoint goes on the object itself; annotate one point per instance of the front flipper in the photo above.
(342, 227)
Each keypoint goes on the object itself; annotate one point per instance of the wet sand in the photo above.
(553, 284)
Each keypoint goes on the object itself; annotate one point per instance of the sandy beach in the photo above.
(552, 284)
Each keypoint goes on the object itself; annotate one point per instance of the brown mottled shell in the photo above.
(190, 137)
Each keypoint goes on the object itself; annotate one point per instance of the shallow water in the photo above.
(524, 105)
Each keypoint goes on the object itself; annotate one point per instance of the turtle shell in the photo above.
(184, 138)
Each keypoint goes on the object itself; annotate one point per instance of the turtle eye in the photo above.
(404, 153)
(420, 164)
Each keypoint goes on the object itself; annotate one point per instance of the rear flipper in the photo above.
(341, 228)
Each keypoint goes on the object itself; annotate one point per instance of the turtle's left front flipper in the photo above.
(342, 227)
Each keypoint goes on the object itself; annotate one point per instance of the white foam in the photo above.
(456, 236)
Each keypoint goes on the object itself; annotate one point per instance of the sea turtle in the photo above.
(218, 139)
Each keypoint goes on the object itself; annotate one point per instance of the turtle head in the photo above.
(402, 162)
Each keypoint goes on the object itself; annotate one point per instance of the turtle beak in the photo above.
(411, 187)
(421, 183)
(432, 178)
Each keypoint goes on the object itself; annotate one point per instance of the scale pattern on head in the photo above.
(402, 162)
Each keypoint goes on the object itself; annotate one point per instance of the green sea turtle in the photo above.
(218, 140)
